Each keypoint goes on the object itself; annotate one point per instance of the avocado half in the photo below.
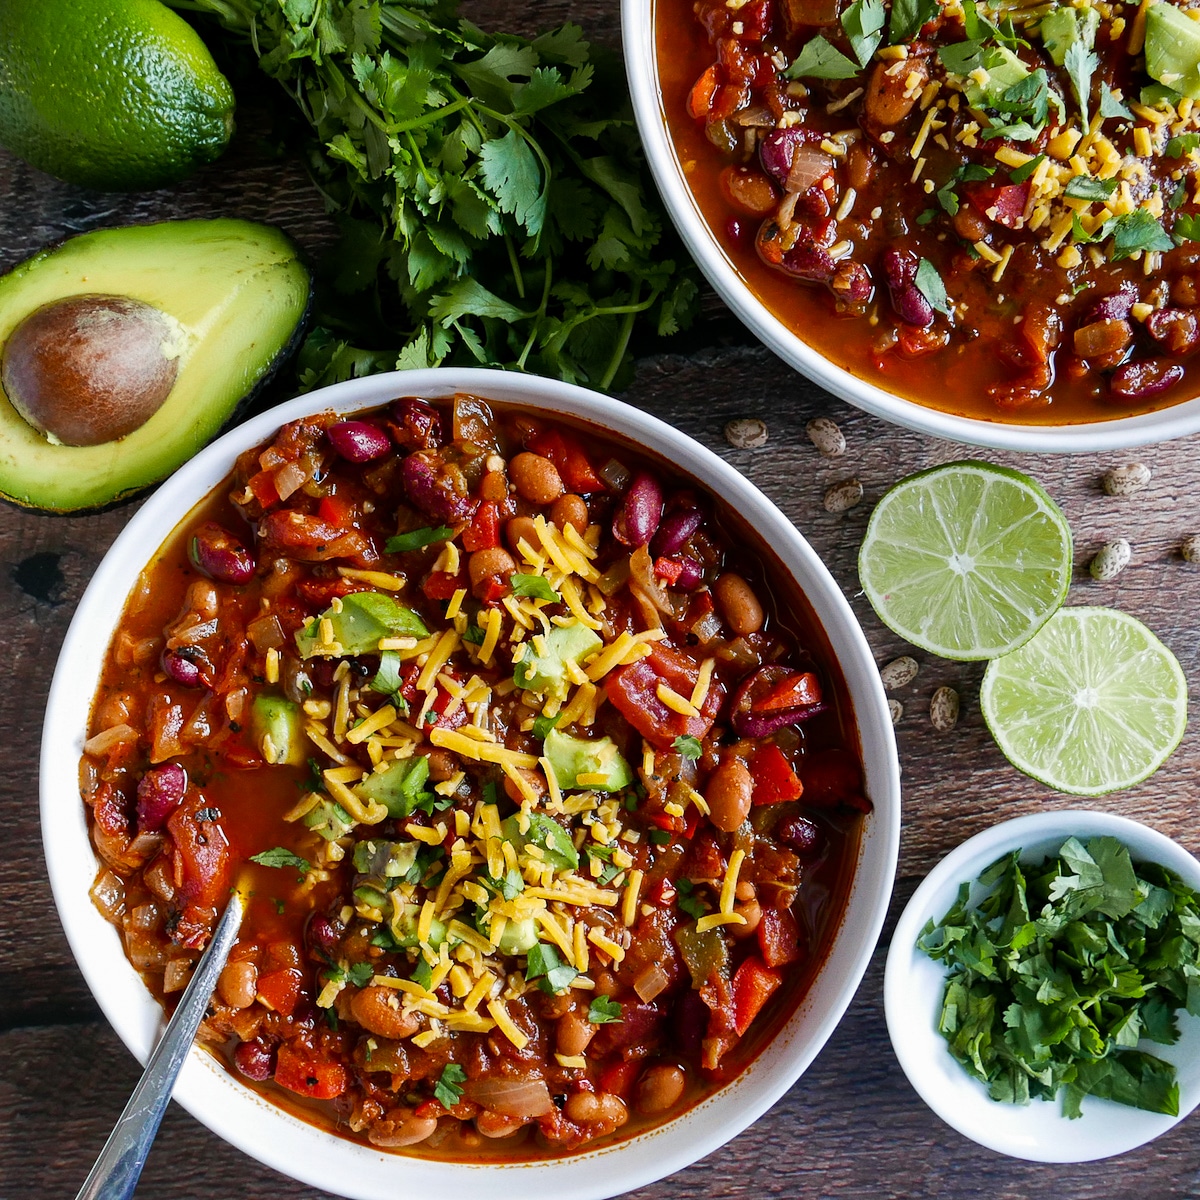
(236, 293)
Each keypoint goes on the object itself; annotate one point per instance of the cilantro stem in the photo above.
(618, 354)
(518, 278)
(541, 313)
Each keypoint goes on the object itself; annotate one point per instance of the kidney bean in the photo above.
(1175, 329)
(434, 488)
(1144, 377)
(217, 554)
(160, 792)
(900, 271)
(418, 424)
(809, 262)
(321, 934)
(851, 282)
(254, 1060)
(185, 666)
(778, 148)
(638, 518)
(1114, 307)
(690, 576)
(675, 531)
(358, 441)
(801, 834)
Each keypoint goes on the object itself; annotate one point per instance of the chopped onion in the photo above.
(616, 475)
(808, 165)
(614, 579)
(706, 628)
(108, 895)
(523, 1098)
(104, 741)
(291, 477)
(650, 982)
(473, 421)
(759, 117)
(643, 583)
(266, 633)
(178, 972)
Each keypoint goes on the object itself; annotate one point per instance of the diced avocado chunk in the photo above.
(365, 617)
(1003, 69)
(399, 788)
(329, 819)
(1062, 27)
(403, 926)
(276, 729)
(1173, 49)
(547, 671)
(570, 757)
(519, 937)
(388, 860)
(557, 848)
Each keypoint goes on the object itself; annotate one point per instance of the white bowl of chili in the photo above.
(915, 985)
(823, 307)
(300, 1148)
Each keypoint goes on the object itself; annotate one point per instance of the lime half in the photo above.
(1092, 703)
(967, 560)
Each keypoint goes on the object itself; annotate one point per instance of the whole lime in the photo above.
(119, 95)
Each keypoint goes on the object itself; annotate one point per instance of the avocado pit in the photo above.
(90, 369)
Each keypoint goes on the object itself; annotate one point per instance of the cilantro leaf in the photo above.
(387, 678)
(448, 1089)
(1025, 170)
(534, 586)
(604, 1010)
(360, 974)
(1084, 187)
(544, 965)
(688, 746)
(929, 284)
(863, 22)
(280, 856)
(1137, 230)
(416, 538)
(907, 17)
(1110, 106)
(818, 59)
(1187, 227)
(1182, 144)
(542, 725)
(1080, 64)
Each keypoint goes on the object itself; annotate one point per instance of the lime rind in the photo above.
(966, 560)
(1093, 703)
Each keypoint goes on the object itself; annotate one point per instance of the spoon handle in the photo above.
(119, 1166)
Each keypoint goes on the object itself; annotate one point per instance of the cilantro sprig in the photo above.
(491, 191)
(1062, 969)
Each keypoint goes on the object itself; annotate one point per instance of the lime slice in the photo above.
(967, 560)
(1094, 702)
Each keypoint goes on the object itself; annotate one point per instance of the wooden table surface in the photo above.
(852, 1126)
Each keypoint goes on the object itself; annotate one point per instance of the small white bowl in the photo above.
(914, 984)
(641, 65)
(346, 1168)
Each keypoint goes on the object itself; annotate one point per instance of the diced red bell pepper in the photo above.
(441, 585)
(1003, 203)
(794, 691)
(336, 510)
(779, 937)
(774, 780)
(568, 455)
(669, 569)
(618, 1077)
(753, 984)
(305, 1073)
(280, 990)
(493, 590)
(484, 531)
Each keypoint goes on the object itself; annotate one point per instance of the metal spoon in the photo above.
(119, 1166)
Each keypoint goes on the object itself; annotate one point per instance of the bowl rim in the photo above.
(317, 1157)
(1119, 433)
(912, 992)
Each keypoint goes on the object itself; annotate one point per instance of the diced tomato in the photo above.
(456, 719)
(484, 531)
(833, 777)
(1003, 203)
(319, 593)
(493, 590)
(794, 691)
(262, 488)
(779, 937)
(662, 891)
(633, 691)
(337, 510)
(753, 983)
(619, 1076)
(303, 1072)
(280, 990)
(669, 569)
(201, 853)
(703, 90)
(774, 779)
(565, 452)
(441, 585)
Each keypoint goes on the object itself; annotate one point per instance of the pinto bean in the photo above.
(860, 165)
(536, 478)
(442, 765)
(738, 604)
(496, 1125)
(729, 793)
(589, 1108)
(573, 1033)
(377, 1010)
(401, 1127)
(660, 1088)
(485, 565)
(521, 529)
(893, 90)
(752, 911)
(238, 983)
(570, 510)
(970, 224)
(749, 190)
(535, 779)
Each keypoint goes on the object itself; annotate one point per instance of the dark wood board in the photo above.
(852, 1126)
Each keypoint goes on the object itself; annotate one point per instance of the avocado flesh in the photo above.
(239, 292)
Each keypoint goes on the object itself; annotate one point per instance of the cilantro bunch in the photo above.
(491, 191)
(1063, 969)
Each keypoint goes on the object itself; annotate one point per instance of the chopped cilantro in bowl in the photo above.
(1044, 931)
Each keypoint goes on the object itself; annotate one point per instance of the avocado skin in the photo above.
(242, 289)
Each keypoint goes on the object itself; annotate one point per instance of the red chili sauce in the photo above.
(547, 791)
(996, 206)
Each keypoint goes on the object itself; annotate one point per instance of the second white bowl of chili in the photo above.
(312, 1007)
(969, 266)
